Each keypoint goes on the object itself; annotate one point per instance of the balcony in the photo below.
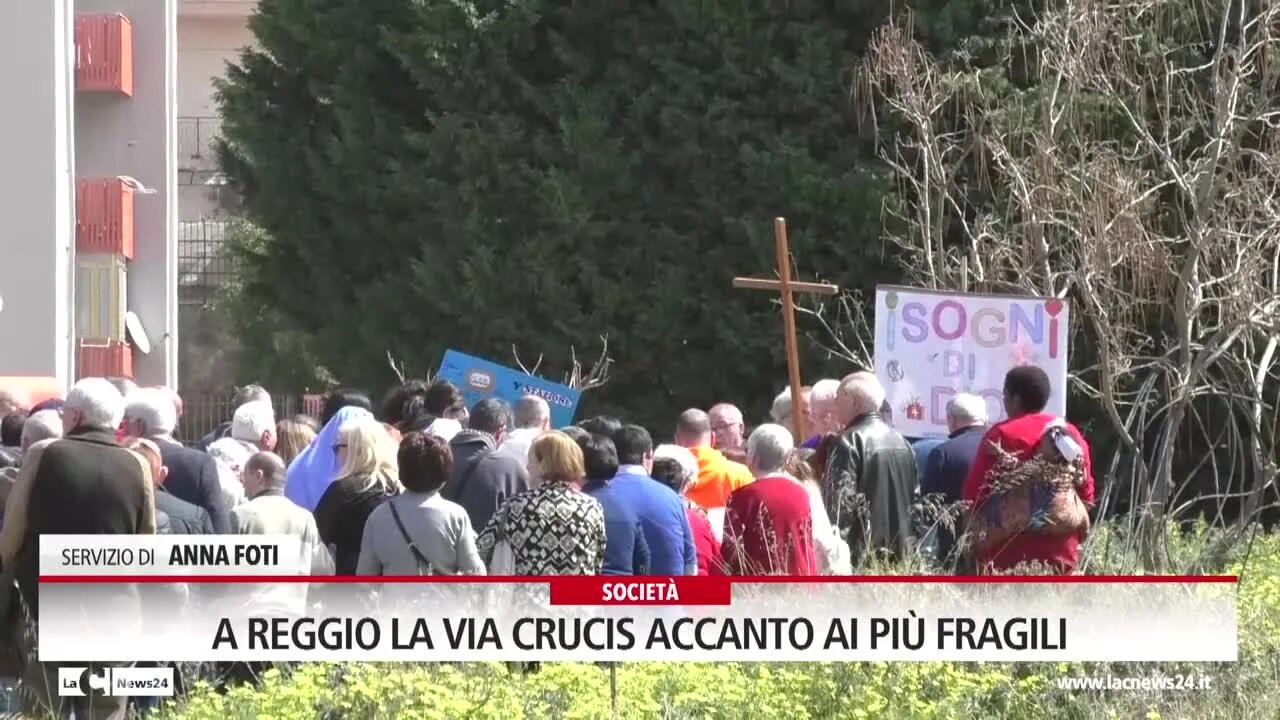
(104, 358)
(100, 296)
(104, 217)
(104, 54)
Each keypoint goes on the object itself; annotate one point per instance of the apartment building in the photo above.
(88, 261)
(111, 192)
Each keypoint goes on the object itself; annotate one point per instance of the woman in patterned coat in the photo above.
(554, 529)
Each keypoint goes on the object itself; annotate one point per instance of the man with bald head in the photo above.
(728, 429)
(269, 512)
(870, 479)
(717, 475)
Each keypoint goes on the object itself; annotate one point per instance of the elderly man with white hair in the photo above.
(193, 475)
(783, 407)
(824, 420)
(870, 474)
(727, 427)
(768, 524)
(253, 430)
(531, 418)
(243, 396)
(84, 484)
(948, 464)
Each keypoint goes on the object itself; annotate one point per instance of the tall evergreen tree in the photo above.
(480, 175)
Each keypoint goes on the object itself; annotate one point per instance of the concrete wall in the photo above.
(37, 189)
(206, 43)
(136, 137)
(205, 46)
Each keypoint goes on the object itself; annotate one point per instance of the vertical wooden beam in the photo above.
(789, 327)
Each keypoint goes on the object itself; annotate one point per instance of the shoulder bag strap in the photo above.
(417, 554)
(471, 467)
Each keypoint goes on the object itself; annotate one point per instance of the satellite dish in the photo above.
(137, 335)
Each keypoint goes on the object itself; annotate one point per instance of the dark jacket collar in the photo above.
(95, 435)
(967, 430)
(862, 418)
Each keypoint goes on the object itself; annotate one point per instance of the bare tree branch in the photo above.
(1140, 177)
(595, 376)
(520, 363)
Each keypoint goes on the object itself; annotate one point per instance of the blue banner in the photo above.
(478, 379)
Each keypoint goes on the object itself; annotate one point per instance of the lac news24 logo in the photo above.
(148, 681)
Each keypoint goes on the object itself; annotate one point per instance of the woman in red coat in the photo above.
(1026, 393)
(768, 525)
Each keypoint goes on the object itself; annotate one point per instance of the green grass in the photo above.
(1249, 689)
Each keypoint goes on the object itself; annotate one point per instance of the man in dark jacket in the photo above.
(11, 438)
(870, 479)
(84, 484)
(192, 475)
(173, 515)
(948, 464)
(483, 479)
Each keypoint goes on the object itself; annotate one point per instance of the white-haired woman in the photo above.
(367, 475)
(768, 525)
(676, 467)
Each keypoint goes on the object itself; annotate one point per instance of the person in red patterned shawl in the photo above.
(1026, 394)
(768, 523)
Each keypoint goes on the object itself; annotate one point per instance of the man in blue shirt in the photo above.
(922, 447)
(660, 509)
(625, 549)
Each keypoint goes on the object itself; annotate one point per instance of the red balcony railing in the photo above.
(104, 217)
(104, 54)
(104, 358)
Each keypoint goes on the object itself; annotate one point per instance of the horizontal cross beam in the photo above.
(776, 285)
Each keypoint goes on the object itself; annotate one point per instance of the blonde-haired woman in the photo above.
(555, 529)
(292, 437)
(366, 477)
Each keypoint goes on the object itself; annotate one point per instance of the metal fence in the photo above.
(204, 267)
(202, 414)
(197, 138)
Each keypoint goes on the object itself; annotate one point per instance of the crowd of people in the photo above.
(423, 484)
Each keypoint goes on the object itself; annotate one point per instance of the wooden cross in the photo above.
(786, 286)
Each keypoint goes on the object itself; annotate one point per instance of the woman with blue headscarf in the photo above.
(311, 472)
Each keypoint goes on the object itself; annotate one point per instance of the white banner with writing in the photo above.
(931, 345)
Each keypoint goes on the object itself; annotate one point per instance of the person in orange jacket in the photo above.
(717, 475)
